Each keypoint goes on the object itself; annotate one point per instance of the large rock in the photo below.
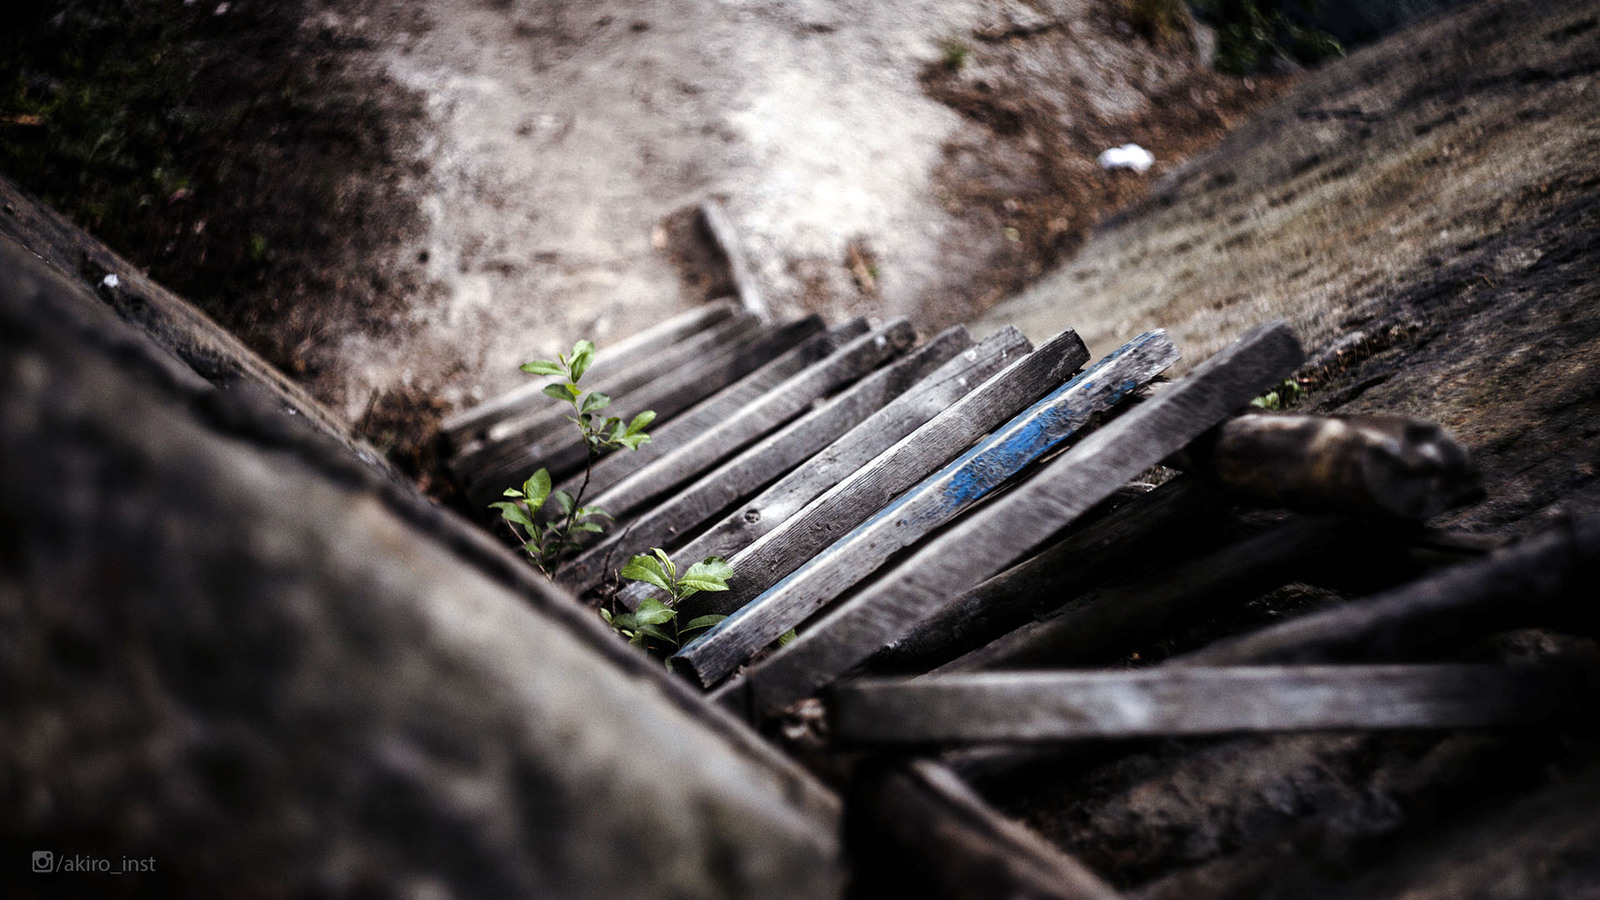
(227, 655)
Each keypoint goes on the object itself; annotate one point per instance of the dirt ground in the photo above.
(399, 203)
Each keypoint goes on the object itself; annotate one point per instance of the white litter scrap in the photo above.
(110, 281)
(1128, 156)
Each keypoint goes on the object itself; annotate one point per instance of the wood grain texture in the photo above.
(666, 523)
(744, 422)
(544, 417)
(1002, 532)
(922, 815)
(932, 503)
(669, 394)
(715, 410)
(1067, 568)
(850, 452)
(469, 424)
(1170, 702)
(865, 491)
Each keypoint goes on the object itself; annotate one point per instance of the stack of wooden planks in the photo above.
(949, 544)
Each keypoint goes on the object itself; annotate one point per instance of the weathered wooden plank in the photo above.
(1161, 518)
(727, 240)
(777, 504)
(720, 407)
(748, 421)
(999, 534)
(1105, 623)
(670, 394)
(666, 523)
(469, 424)
(957, 846)
(1546, 579)
(865, 491)
(1388, 465)
(1169, 702)
(929, 505)
(541, 420)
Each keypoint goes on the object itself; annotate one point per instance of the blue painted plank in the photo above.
(933, 502)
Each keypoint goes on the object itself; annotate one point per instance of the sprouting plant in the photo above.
(656, 620)
(548, 541)
(1285, 395)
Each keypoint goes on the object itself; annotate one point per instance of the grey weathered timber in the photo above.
(1388, 465)
(851, 501)
(1163, 702)
(715, 410)
(999, 534)
(906, 413)
(542, 416)
(666, 523)
(1105, 623)
(669, 394)
(924, 816)
(469, 424)
(727, 240)
(1134, 530)
(932, 503)
(1546, 579)
(743, 422)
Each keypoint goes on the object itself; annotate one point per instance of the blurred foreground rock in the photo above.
(229, 650)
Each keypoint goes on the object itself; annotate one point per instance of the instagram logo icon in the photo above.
(43, 860)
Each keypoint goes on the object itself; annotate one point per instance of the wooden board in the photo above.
(929, 505)
(716, 410)
(542, 416)
(726, 238)
(923, 816)
(1104, 624)
(1545, 580)
(746, 422)
(1170, 702)
(1156, 523)
(1001, 533)
(469, 424)
(856, 448)
(669, 394)
(666, 523)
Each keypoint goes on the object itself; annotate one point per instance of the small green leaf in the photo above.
(624, 620)
(537, 489)
(543, 367)
(605, 614)
(582, 356)
(658, 634)
(667, 564)
(654, 612)
(513, 512)
(513, 492)
(701, 622)
(588, 526)
(563, 501)
(648, 570)
(710, 574)
(556, 391)
(596, 402)
(640, 421)
(589, 511)
(786, 637)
